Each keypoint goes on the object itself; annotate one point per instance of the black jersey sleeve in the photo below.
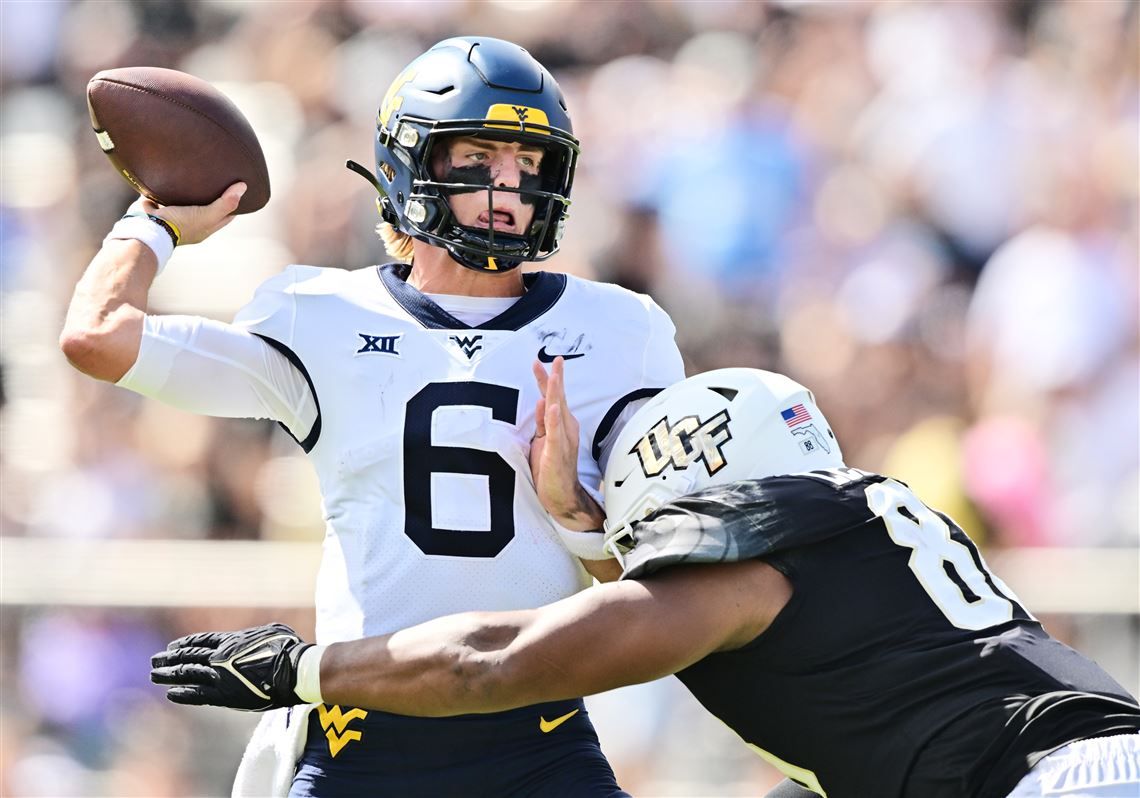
(748, 519)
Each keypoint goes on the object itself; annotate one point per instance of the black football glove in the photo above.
(254, 669)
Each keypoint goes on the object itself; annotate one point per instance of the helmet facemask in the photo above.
(486, 88)
(430, 216)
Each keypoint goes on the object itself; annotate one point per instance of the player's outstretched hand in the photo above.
(254, 669)
(554, 454)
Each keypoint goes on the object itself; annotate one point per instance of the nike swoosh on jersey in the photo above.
(547, 726)
(546, 357)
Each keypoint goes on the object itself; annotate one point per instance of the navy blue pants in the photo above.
(546, 749)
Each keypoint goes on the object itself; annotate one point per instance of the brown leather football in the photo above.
(176, 138)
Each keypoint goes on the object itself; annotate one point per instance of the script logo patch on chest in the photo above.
(563, 344)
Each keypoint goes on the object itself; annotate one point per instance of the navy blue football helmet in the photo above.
(473, 86)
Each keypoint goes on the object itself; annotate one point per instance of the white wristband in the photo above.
(584, 545)
(308, 687)
(150, 233)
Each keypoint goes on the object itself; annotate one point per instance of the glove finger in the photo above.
(196, 696)
(199, 639)
(198, 675)
(178, 656)
(209, 696)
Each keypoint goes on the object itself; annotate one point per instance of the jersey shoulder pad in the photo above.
(634, 321)
(748, 519)
(620, 305)
(273, 310)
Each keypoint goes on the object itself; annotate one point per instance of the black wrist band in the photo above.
(170, 229)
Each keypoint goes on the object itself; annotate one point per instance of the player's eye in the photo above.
(478, 156)
(529, 161)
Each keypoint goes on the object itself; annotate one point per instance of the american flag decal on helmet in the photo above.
(796, 414)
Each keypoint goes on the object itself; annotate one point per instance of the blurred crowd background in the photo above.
(925, 211)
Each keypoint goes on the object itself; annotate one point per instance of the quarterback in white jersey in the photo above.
(456, 472)
(423, 433)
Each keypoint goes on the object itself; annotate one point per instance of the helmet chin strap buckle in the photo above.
(493, 264)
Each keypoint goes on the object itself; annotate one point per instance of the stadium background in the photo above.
(926, 211)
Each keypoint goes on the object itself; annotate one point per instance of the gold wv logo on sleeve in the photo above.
(684, 443)
(335, 723)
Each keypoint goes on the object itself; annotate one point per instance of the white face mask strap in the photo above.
(615, 550)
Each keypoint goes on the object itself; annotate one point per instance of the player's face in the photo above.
(483, 162)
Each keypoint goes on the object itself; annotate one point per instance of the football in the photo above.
(175, 138)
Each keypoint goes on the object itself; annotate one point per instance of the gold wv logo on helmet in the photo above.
(392, 100)
(516, 117)
(684, 443)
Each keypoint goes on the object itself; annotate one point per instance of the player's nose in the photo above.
(505, 170)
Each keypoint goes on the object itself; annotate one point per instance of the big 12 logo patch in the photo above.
(681, 444)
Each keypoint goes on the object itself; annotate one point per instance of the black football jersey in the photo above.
(901, 666)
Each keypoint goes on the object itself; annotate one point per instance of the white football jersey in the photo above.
(424, 426)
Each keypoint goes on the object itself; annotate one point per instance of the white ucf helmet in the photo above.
(711, 429)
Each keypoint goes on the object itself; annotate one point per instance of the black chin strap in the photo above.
(382, 195)
(367, 175)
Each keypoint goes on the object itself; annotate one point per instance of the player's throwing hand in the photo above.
(254, 669)
(195, 223)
